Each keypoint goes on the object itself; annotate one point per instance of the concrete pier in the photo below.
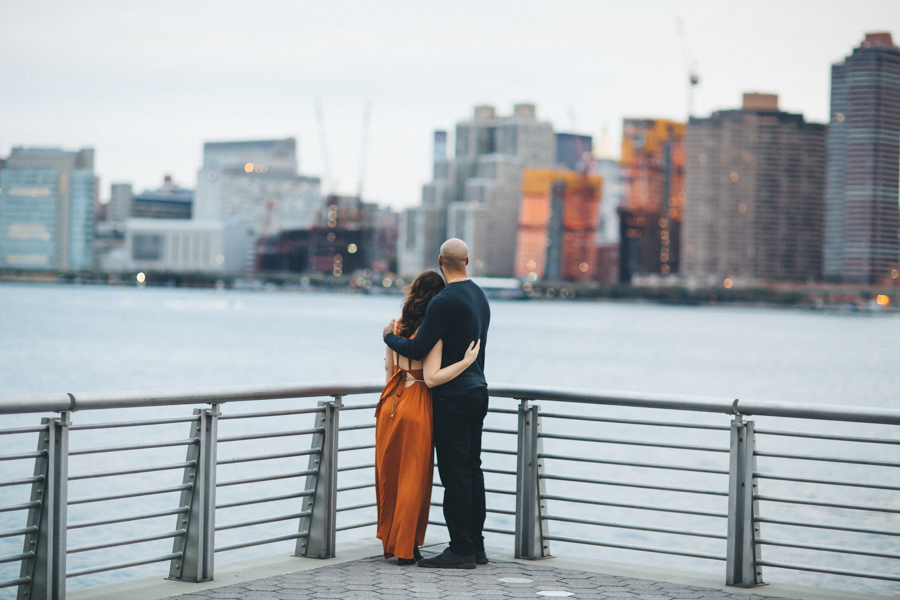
(360, 572)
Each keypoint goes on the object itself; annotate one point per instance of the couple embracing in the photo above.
(436, 396)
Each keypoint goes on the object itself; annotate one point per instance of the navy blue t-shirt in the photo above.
(458, 315)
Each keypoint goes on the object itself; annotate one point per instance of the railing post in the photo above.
(742, 568)
(321, 504)
(197, 545)
(530, 508)
(47, 569)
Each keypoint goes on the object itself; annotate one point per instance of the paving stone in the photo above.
(376, 579)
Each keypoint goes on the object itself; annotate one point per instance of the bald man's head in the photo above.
(454, 255)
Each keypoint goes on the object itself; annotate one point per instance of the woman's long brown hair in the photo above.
(420, 292)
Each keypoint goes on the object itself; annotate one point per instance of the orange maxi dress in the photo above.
(404, 465)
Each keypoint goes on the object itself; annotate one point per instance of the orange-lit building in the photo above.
(558, 222)
(652, 168)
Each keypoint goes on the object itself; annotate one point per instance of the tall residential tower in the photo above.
(861, 195)
(754, 183)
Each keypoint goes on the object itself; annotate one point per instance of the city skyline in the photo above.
(146, 88)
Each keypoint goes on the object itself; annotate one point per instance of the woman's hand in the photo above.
(472, 352)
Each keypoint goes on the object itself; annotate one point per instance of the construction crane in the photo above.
(689, 65)
(264, 234)
(367, 113)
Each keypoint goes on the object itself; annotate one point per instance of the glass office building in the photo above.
(47, 199)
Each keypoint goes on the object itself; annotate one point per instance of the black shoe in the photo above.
(481, 558)
(449, 560)
(404, 562)
(416, 554)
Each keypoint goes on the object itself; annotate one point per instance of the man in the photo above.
(458, 315)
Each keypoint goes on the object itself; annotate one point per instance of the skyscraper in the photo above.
(754, 181)
(476, 195)
(861, 194)
(558, 225)
(47, 199)
(652, 168)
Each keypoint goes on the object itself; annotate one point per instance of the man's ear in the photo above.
(467, 261)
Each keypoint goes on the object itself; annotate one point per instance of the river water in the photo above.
(86, 338)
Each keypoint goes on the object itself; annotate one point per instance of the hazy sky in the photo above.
(146, 83)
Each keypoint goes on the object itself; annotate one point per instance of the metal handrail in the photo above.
(105, 400)
(323, 465)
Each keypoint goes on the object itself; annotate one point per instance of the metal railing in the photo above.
(548, 473)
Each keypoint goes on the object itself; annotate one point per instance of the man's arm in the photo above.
(431, 330)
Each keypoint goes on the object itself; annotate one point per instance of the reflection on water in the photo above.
(66, 338)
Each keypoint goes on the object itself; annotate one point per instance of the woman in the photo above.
(403, 452)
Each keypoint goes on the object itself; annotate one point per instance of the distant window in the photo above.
(146, 246)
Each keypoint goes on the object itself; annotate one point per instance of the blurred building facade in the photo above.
(862, 221)
(47, 203)
(755, 181)
(174, 245)
(606, 264)
(558, 225)
(348, 236)
(650, 213)
(476, 194)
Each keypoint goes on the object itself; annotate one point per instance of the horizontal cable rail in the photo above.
(356, 467)
(22, 506)
(15, 557)
(18, 532)
(828, 437)
(359, 486)
(150, 469)
(273, 413)
(18, 430)
(704, 534)
(357, 427)
(356, 506)
(550, 415)
(684, 511)
(762, 519)
(124, 565)
(786, 544)
(153, 515)
(856, 484)
(23, 481)
(130, 447)
(243, 459)
(264, 499)
(22, 456)
(263, 436)
(832, 459)
(240, 524)
(360, 406)
(271, 540)
(559, 538)
(167, 490)
(807, 502)
(12, 582)
(582, 438)
(266, 478)
(126, 541)
(116, 425)
(361, 447)
(849, 573)
(643, 486)
(625, 463)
